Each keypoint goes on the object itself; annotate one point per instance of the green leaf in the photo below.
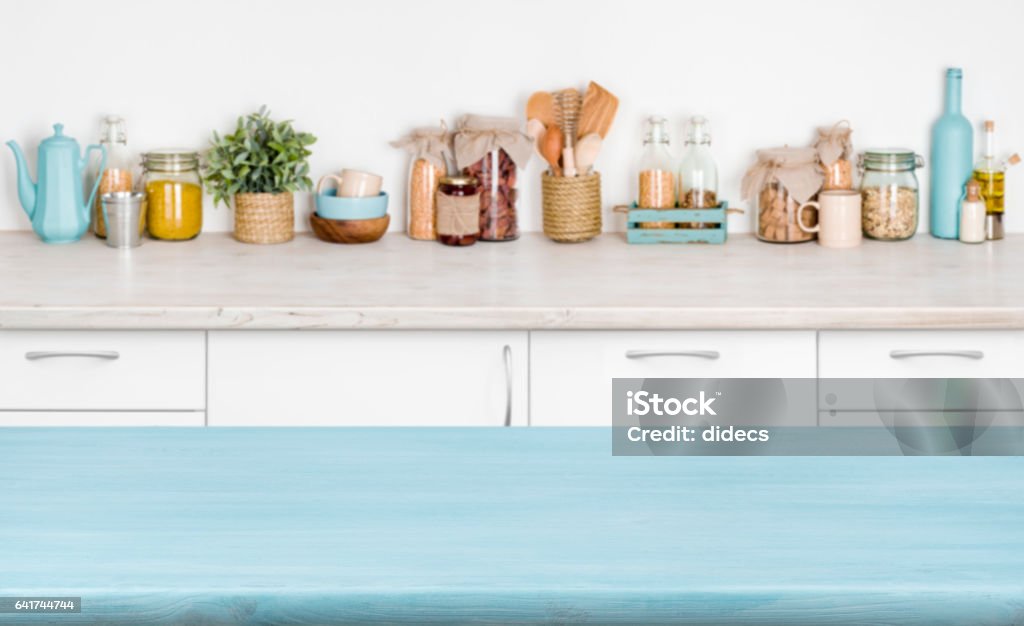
(261, 155)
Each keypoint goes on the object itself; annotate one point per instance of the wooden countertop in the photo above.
(214, 282)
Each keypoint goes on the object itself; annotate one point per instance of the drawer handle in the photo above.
(699, 354)
(507, 354)
(963, 354)
(108, 355)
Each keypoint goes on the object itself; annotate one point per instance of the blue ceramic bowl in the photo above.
(330, 206)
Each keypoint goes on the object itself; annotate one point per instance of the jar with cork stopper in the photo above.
(991, 177)
(972, 214)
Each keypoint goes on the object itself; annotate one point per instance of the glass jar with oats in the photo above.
(778, 184)
(889, 193)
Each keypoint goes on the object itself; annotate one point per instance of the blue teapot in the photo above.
(55, 205)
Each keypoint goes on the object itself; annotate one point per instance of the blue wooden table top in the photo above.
(349, 525)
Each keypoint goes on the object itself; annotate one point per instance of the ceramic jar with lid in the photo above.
(174, 194)
(889, 193)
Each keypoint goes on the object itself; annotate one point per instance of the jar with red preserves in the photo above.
(458, 210)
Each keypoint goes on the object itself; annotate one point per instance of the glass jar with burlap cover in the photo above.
(779, 182)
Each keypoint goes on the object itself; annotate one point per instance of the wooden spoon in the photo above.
(541, 106)
(551, 148)
(535, 131)
(587, 149)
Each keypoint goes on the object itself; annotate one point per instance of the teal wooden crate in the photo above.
(716, 230)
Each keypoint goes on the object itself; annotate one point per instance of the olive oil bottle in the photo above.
(991, 175)
(988, 174)
(992, 189)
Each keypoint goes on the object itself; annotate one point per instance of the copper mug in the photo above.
(839, 218)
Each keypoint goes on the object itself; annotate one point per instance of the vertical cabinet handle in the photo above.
(507, 354)
(109, 355)
(964, 354)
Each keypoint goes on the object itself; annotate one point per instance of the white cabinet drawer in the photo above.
(943, 353)
(572, 371)
(921, 354)
(102, 418)
(102, 370)
(908, 370)
(367, 378)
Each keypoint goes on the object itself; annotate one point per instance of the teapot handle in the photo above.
(99, 175)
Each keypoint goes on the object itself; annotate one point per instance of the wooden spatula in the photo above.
(599, 108)
(551, 148)
(541, 106)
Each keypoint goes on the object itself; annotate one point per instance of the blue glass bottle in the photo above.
(952, 161)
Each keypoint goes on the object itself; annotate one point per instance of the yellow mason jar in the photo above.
(174, 194)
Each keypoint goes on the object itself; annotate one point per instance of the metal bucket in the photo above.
(123, 216)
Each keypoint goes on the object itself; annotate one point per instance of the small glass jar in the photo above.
(458, 210)
(835, 154)
(889, 193)
(119, 174)
(174, 194)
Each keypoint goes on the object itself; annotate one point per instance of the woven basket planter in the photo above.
(572, 207)
(264, 217)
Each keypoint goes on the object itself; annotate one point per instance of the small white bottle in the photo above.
(972, 215)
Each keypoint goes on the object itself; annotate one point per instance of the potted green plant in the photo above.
(260, 164)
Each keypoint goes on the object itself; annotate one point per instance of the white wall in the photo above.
(358, 74)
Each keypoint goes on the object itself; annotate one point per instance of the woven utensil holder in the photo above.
(264, 217)
(572, 207)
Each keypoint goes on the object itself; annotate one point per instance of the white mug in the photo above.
(354, 184)
(839, 218)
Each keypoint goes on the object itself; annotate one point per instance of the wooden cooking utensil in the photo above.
(541, 106)
(587, 149)
(567, 113)
(535, 131)
(551, 148)
(599, 108)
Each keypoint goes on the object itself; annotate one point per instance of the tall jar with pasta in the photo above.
(656, 177)
(174, 194)
(429, 150)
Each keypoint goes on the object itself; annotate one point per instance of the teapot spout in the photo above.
(26, 188)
